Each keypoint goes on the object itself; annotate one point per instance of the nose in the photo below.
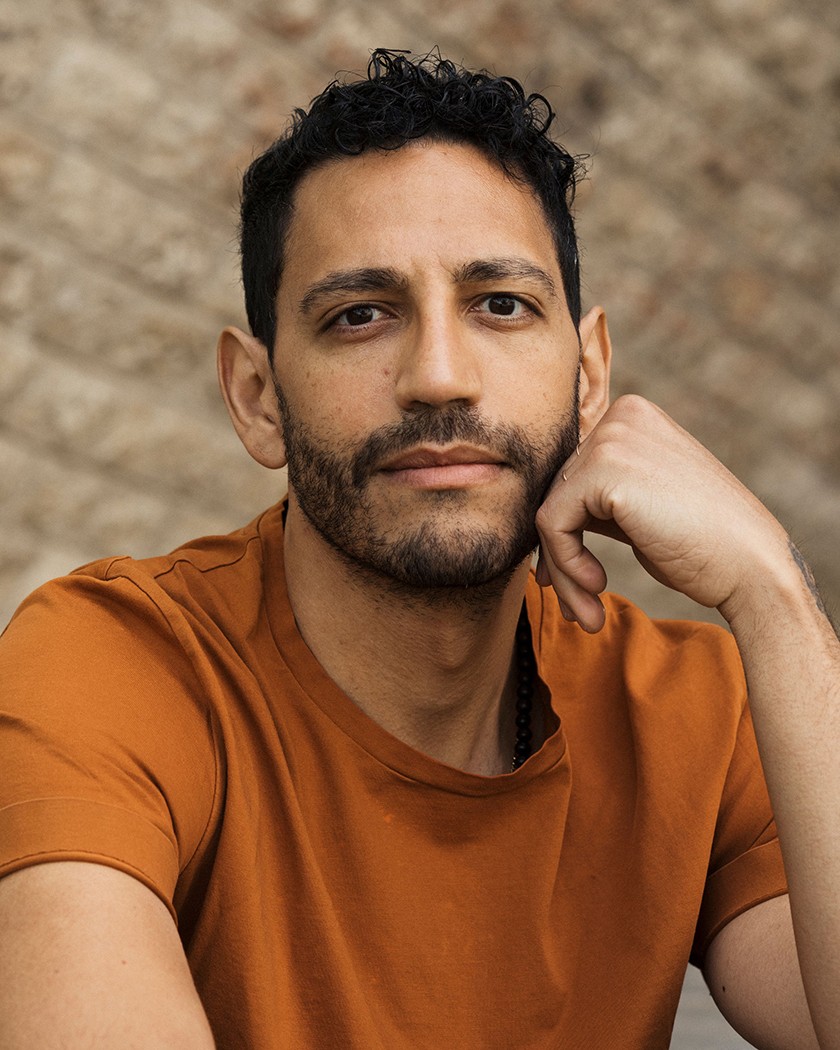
(437, 366)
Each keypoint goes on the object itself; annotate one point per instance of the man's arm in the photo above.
(752, 971)
(91, 958)
(641, 479)
(791, 660)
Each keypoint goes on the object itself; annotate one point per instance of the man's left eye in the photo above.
(502, 306)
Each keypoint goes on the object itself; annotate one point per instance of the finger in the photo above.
(541, 573)
(610, 529)
(570, 555)
(544, 580)
(576, 603)
(567, 612)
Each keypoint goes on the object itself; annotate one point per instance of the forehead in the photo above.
(421, 207)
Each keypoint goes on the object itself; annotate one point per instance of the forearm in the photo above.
(791, 657)
(716, 543)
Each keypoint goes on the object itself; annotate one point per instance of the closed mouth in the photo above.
(421, 458)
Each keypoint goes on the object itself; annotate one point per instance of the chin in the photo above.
(433, 555)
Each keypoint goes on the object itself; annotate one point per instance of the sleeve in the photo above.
(107, 748)
(745, 866)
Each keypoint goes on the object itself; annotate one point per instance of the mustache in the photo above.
(441, 427)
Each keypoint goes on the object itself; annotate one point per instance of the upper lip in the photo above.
(435, 456)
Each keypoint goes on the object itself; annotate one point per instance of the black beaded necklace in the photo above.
(524, 690)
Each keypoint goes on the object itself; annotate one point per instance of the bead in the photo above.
(524, 691)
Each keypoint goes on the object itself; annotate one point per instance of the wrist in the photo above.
(779, 589)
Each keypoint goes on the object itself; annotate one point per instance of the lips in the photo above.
(422, 458)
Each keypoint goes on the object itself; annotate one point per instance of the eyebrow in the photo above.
(482, 271)
(364, 279)
(386, 278)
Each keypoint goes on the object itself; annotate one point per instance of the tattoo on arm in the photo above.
(808, 577)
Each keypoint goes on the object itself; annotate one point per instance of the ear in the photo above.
(247, 384)
(595, 357)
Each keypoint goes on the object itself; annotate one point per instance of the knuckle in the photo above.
(575, 558)
(636, 413)
(632, 405)
(544, 517)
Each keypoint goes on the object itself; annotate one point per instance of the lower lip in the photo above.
(450, 476)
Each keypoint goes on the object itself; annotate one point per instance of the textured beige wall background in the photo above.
(709, 228)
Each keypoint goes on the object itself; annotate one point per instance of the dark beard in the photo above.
(332, 488)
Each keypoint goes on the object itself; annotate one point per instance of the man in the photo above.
(389, 790)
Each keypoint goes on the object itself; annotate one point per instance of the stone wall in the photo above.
(709, 225)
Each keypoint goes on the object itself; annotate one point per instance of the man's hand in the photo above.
(641, 479)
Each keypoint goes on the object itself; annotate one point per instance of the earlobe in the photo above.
(595, 358)
(247, 385)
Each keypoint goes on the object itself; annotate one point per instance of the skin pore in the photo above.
(430, 378)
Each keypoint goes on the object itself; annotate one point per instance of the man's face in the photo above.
(426, 364)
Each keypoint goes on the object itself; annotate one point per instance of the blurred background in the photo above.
(708, 223)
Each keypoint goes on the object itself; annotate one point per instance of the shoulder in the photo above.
(110, 707)
(145, 600)
(202, 571)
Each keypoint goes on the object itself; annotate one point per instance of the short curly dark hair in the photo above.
(402, 99)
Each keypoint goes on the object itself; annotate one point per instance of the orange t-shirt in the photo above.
(335, 888)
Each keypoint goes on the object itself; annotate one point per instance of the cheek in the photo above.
(546, 389)
(341, 408)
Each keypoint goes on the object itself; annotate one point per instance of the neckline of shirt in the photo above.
(382, 746)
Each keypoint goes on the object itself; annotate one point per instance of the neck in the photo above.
(435, 669)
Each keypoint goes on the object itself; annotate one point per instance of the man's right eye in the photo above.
(357, 316)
